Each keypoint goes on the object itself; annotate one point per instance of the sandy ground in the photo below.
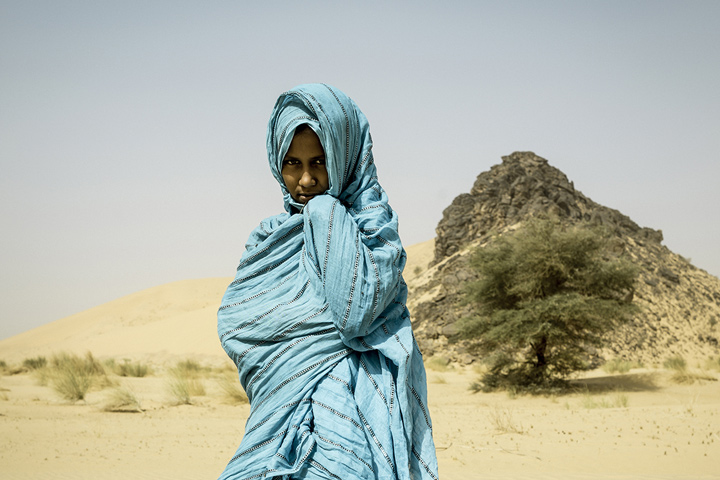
(664, 430)
(635, 426)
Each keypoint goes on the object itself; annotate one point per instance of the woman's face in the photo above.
(303, 168)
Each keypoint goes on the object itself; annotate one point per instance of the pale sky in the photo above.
(132, 133)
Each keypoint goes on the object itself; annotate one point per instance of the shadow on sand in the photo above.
(629, 382)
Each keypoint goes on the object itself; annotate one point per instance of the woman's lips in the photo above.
(305, 197)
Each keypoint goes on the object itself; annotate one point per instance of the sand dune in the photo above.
(162, 323)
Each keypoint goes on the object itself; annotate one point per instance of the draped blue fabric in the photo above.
(316, 322)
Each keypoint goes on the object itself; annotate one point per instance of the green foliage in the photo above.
(546, 293)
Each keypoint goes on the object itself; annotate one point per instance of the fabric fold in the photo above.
(316, 322)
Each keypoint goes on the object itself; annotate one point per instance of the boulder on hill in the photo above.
(680, 304)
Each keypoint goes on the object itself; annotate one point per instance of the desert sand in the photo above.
(636, 425)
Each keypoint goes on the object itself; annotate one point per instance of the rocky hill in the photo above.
(680, 303)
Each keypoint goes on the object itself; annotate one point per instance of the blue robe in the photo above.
(316, 322)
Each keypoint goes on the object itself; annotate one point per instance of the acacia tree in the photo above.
(546, 293)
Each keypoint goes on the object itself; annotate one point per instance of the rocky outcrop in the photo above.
(523, 186)
(680, 303)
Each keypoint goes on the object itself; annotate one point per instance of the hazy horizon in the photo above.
(132, 134)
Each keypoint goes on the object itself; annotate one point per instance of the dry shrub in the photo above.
(681, 374)
(122, 399)
(185, 382)
(43, 376)
(230, 385)
(675, 363)
(503, 421)
(619, 365)
(72, 376)
(191, 367)
(687, 377)
(132, 369)
(439, 379)
(619, 400)
(35, 363)
(713, 363)
(438, 364)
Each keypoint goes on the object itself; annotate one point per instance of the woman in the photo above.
(315, 319)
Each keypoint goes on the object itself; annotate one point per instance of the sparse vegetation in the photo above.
(503, 420)
(546, 293)
(131, 369)
(72, 376)
(185, 382)
(713, 363)
(230, 385)
(675, 363)
(122, 399)
(191, 367)
(619, 365)
(438, 364)
(619, 400)
(34, 363)
(681, 373)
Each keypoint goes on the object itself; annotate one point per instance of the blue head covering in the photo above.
(342, 129)
(316, 323)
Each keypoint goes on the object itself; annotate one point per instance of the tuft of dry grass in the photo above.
(619, 365)
(438, 364)
(230, 385)
(619, 400)
(191, 367)
(185, 382)
(122, 399)
(686, 377)
(681, 374)
(503, 420)
(713, 363)
(35, 363)
(130, 369)
(72, 376)
(675, 362)
(439, 379)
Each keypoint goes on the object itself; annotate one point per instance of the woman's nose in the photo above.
(307, 179)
